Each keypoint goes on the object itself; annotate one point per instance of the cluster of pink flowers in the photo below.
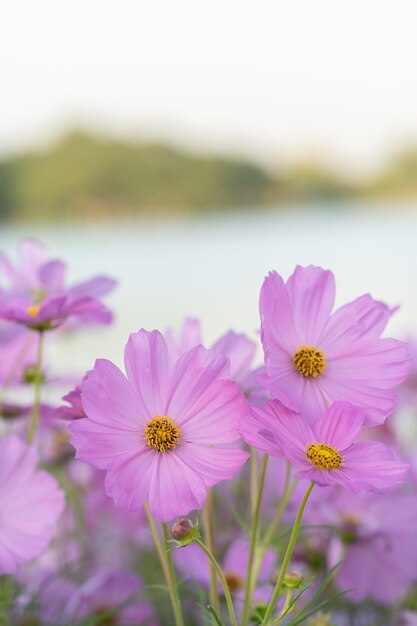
(84, 485)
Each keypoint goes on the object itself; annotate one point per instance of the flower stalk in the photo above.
(165, 559)
(223, 581)
(34, 420)
(253, 543)
(287, 557)
(209, 536)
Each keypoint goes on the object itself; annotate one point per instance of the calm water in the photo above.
(213, 268)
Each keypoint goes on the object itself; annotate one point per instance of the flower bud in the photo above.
(183, 530)
(293, 579)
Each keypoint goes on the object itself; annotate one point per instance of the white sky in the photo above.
(276, 79)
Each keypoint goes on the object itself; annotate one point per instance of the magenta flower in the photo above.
(235, 346)
(314, 357)
(108, 597)
(38, 298)
(30, 503)
(375, 541)
(75, 410)
(324, 453)
(156, 431)
(114, 595)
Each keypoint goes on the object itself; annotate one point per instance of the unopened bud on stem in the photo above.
(182, 528)
(293, 579)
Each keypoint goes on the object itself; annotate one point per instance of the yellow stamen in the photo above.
(324, 456)
(162, 433)
(33, 310)
(309, 361)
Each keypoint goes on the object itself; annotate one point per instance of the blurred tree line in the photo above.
(99, 177)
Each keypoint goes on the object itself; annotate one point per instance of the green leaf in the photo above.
(210, 610)
(300, 618)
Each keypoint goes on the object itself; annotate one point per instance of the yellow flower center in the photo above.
(33, 310)
(234, 581)
(162, 433)
(324, 456)
(309, 361)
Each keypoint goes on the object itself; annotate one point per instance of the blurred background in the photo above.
(187, 148)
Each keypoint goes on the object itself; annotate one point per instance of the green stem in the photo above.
(254, 538)
(158, 545)
(209, 537)
(165, 559)
(285, 607)
(223, 581)
(286, 496)
(175, 599)
(6, 594)
(288, 554)
(272, 528)
(34, 420)
(253, 485)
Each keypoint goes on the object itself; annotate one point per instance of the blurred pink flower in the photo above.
(156, 431)
(115, 593)
(235, 346)
(314, 357)
(30, 503)
(38, 298)
(375, 541)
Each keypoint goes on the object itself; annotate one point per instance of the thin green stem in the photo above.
(34, 420)
(158, 544)
(273, 526)
(223, 581)
(253, 543)
(286, 496)
(285, 607)
(6, 596)
(288, 554)
(175, 598)
(165, 559)
(209, 537)
(253, 484)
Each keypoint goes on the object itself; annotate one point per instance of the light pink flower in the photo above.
(238, 348)
(30, 505)
(156, 431)
(314, 357)
(324, 453)
(38, 297)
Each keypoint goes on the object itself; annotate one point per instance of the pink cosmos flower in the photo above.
(314, 357)
(156, 431)
(38, 298)
(109, 596)
(375, 542)
(235, 346)
(324, 453)
(30, 504)
(114, 595)
(75, 410)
